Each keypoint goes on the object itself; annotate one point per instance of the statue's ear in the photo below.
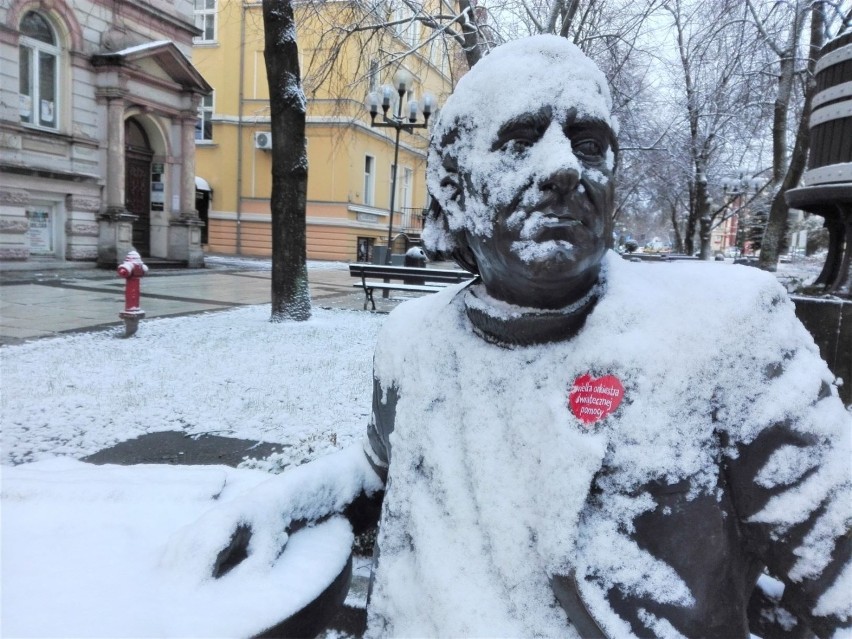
(456, 248)
(451, 180)
(453, 198)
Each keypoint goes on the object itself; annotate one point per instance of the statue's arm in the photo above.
(253, 528)
(349, 482)
(377, 447)
(791, 489)
(365, 509)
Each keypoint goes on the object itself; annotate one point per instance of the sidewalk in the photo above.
(51, 298)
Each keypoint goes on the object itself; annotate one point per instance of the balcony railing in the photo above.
(412, 220)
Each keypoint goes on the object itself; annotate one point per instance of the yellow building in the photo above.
(350, 163)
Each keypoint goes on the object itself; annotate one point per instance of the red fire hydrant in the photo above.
(132, 270)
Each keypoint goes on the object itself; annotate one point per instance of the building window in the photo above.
(38, 72)
(402, 199)
(405, 196)
(412, 32)
(369, 179)
(205, 19)
(439, 56)
(374, 75)
(365, 249)
(204, 124)
(405, 25)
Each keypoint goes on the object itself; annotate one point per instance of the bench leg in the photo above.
(368, 297)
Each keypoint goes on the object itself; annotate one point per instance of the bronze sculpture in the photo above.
(548, 466)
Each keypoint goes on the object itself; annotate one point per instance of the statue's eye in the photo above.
(516, 146)
(588, 148)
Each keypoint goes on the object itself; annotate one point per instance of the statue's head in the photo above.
(520, 171)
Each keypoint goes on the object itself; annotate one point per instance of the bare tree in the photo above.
(363, 39)
(788, 165)
(382, 34)
(389, 31)
(290, 295)
(717, 100)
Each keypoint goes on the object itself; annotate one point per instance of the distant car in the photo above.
(732, 251)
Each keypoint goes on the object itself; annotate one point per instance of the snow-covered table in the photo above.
(82, 555)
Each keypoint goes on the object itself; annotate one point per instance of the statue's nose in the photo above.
(562, 181)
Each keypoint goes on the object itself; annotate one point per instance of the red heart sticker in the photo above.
(592, 399)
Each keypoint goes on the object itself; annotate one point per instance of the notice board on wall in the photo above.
(39, 232)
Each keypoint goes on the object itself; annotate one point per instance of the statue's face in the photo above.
(549, 232)
(524, 170)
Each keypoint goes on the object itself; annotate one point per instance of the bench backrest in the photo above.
(400, 272)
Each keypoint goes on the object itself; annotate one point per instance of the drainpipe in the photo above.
(240, 127)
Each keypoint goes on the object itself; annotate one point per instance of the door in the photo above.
(137, 184)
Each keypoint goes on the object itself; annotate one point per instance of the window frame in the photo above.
(391, 194)
(203, 16)
(37, 51)
(412, 32)
(405, 186)
(408, 32)
(402, 199)
(205, 117)
(369, 194)
(373, 75)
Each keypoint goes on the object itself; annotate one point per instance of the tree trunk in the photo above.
(691, 227)
(290, 295)
(470, 34)
(678, 239)
(776, 226)
(784, 94)
(702, 211)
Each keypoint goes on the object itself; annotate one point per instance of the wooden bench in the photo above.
(403, 278)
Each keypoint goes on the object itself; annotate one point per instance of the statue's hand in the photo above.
(251, 530)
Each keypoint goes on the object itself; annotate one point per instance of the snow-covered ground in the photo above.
(231, 373)
(800, 272)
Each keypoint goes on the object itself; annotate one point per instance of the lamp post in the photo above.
(401, 84)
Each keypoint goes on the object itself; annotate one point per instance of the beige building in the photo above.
(98, 109)
(351, 164)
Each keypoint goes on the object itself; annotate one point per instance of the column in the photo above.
(185, 232)
(115, 155)
(115, 223)
(187, 181)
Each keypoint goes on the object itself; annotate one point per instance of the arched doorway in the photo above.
(137, 183)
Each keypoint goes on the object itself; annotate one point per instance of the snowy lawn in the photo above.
(229, 373)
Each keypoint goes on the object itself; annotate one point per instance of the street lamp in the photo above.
(392, 101)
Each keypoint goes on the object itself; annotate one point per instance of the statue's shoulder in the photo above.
(692, 287)
(418, 323)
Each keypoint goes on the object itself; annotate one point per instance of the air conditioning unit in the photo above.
(262, 140)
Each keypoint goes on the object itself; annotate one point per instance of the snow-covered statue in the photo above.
(574, 445)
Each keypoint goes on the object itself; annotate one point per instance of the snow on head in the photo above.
(549, 74)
